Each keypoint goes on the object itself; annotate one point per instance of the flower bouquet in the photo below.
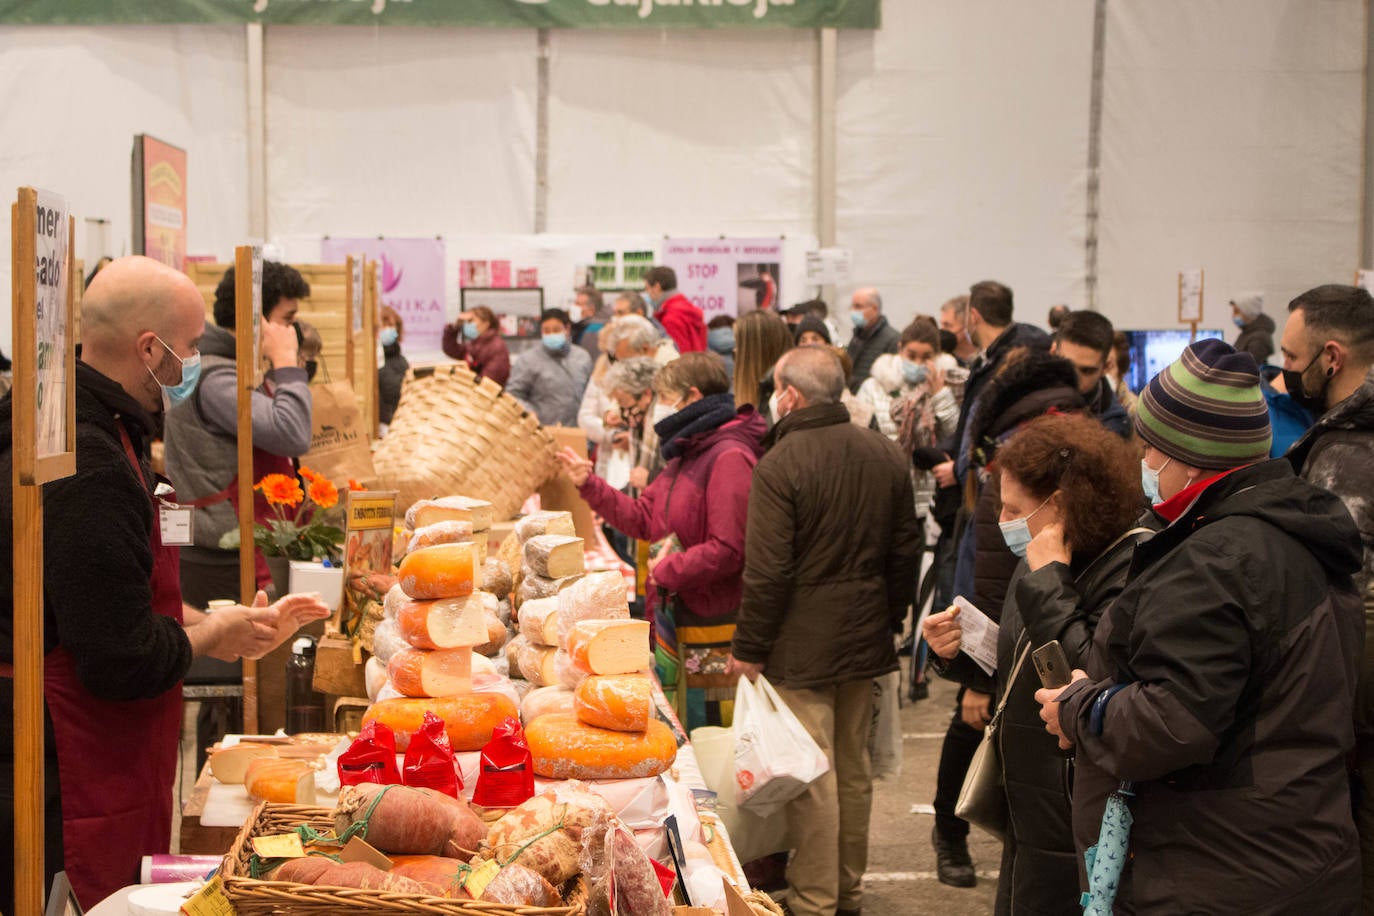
(301, 528)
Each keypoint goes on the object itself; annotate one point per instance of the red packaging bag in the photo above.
(429, 759)
(370, 758)
(506, 775)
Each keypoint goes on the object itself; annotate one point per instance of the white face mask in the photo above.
(1149, 481)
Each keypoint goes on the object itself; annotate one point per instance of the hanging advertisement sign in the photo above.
(412, 283)
(726, 276)
(159, 201)
(528, 14)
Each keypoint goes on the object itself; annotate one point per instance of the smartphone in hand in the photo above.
(1052, 665)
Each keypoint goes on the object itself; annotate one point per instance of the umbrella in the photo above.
(1107, 859)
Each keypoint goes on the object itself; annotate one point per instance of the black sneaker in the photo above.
(953, 865)
(919, 690)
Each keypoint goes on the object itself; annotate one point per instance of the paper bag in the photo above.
(339, 447)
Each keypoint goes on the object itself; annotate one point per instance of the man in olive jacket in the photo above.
(830, 563)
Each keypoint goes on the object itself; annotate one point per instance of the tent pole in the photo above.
(257, 133)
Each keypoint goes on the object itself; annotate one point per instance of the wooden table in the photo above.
(196, 839)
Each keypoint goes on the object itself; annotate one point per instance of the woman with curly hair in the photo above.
(1070, 500)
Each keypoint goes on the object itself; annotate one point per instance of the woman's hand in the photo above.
(1048, 547)
(976, 709)
(1048, 698)
(943, 633)
(935, 379)
(577, 468)
(639, 478)
(612, 419)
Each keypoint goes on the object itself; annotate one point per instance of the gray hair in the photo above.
(870, 295)
(815, 372)
(632, 376)
(637, 303)
(637, 331)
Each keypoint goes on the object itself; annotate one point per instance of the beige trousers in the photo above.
(829, 821)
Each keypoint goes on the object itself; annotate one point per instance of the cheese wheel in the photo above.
(564, 748)
(445, 571)
(544, 700)
(444, 623)
(539, 621)
(610, 646)
(497, 579)
(545, 522)
(449, 532)
(512, 652)
(533, 588)
(391, 603)
(569, 673)
(496, 637)
(620, 702)
(436, 673)
(469, 720)
(375, 677)
(554, 556)
(597, 596)
(536, 664)
(387, 640)
(229, 765)
(290, 782)
(427, 512)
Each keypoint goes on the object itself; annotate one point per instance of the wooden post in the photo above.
(370, 298)
(247, 316)
(352, 294)
(43, 448)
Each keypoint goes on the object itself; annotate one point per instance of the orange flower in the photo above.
(323, 493)
(308, 475)
(281, 490)
(356, 487)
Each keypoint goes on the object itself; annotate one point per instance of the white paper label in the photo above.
(176, 525)
(979, 639)
(50, 301)
(827, 266)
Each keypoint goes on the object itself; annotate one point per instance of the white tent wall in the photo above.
(963, 152)
(75, 98)
(1233, 136)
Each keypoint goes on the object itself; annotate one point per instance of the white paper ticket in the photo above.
(979, 640)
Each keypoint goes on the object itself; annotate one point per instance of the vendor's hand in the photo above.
(639, 478)
(944, 474)
(237, 632)
(747, 670)
(577, 468)
(943, 633)
(976, 709)
(1048, 547)
(279, 344)
(295, 611)
(1048, 698)
(613, 418)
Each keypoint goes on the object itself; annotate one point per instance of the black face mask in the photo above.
(311, 366)
(1314, 403)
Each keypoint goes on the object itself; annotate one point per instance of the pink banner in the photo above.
(411, 275)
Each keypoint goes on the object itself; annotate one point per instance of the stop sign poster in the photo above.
(726, 276)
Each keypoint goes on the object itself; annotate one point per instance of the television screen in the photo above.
(1151, 351)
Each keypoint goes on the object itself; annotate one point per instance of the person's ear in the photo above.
(1336, 353)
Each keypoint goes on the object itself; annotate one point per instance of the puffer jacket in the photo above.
(1236, 646)
(867, 345)
(831, 552)
(1338, 454)
(550, 384)
(1257, 338)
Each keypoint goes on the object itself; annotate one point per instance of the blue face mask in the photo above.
(388, 336)
(1239, 321)
(858, 318)
(470, 330)
(721, 340)
(1017, 531)
(555, 342)
(190, 374)
(1149, 481)
(914, 373)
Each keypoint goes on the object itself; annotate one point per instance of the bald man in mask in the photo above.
(117, 638)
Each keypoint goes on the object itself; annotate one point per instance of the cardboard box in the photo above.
(335, 671)
(558, 493)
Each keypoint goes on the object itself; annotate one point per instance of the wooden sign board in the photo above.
(368, 539)
(248, 352)
(1190, 285)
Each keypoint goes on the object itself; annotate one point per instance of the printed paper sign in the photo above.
(726, 276)
(52, 276)
(411, 272)
(358, 282)
(161, 201)
(1190, 296)
(828, 266)
(367, 555)
(979, 640)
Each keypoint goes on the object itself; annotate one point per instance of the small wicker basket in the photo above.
(252, 897)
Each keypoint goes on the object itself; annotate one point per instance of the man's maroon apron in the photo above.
(117, 760)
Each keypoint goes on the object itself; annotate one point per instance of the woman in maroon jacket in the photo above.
(700, 501)
(475, 338)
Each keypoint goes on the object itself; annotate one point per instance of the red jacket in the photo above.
(684, 323)
(487, 355)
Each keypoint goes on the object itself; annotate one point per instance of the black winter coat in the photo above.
(1237, 642)
(866, 346)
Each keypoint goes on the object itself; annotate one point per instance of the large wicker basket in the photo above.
(453, 433)
(252, 897)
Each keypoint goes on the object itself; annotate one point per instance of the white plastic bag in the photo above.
(775, 757)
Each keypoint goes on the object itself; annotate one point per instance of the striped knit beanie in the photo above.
(1206, 409)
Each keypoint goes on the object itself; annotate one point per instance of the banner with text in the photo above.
(533, 14)
(726, 276)
(159, 176)
(411, 275)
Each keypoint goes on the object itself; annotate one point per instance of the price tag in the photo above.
(177, 524)
(359, 850)
(481, 876)
(279, 846)
(210, 900)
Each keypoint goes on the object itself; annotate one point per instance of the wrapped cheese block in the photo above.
(533, 588)
(496, 634)
(469, 720)
(391, 603)
(431, 673)
(547, 522)
(610, 646)
(229, 765)
(544, 700)
(569, 673)
(444, 623)
(374, 676)
(290, 782)
(387, 640)
(482, 666)
(427, 512)
(539, 621)
(519, 886)
(622, 702)
(496, 578)
(564, 748)
(554, 556)
(450, 532)
(445, 571)
(536, 664)
(511, 651)
(510, 552)
(597, 596)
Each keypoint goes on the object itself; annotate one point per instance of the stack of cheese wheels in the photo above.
(536, 524)
(450, 519)
(441, 620)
